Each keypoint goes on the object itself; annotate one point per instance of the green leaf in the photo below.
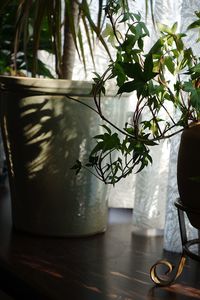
(80, 40)
(196, 68)
(89, 41)
(195, 99)
(111, 141)
(168, 61)
(148, 68)
(174, 27)
(137, 17)
(128, 129)
(164, 28)
(131, 86)
(132, 70)
(194, 94)
(188, 86)
(129, 43)
(77, 166)
(108, 142)
(106, 128)
(145, 29)
(179, 43)
(118, 71)
(125, 17)
(99, 137)
(99, 147)
(139, 32)
(100, 10)
(197, 13)
(157, 47)
(108, 31)
(195, 24)
(93, 160)
(140, 43)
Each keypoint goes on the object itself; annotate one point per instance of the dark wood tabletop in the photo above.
(114, 265)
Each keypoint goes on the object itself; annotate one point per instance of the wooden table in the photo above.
(113, 266)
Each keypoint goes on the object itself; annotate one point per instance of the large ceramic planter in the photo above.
(44, 133)
(188, 172)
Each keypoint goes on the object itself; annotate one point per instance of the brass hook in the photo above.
(167, 281)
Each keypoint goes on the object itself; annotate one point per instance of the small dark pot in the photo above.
(188, 173)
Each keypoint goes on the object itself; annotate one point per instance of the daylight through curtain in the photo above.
(153, 191)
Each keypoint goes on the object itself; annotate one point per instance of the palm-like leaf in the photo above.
(40, 25)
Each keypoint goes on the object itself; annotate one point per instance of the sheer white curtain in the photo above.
(153, 191)
(151, 184)
(172, 241)
(157, 185)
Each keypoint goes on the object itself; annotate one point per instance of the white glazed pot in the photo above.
(44, 133)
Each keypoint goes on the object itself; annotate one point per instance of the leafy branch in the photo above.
(168, 75)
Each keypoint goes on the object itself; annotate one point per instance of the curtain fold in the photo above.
(172, 240)
(151, 194)
(164, 171)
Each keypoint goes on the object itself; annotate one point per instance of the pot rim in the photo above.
(53, 86)
(45, 85)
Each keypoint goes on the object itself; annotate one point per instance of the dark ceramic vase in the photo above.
(188, 173)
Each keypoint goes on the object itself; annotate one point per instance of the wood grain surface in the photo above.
(110, 266)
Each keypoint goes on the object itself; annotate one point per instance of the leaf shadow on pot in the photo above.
(44, 135)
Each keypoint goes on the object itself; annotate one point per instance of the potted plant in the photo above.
(50, 127)
(165, 84)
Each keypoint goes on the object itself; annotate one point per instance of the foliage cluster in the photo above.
(55, 26)
(165, 86)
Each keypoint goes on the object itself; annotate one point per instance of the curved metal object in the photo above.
(171, 275)
(168, 278)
